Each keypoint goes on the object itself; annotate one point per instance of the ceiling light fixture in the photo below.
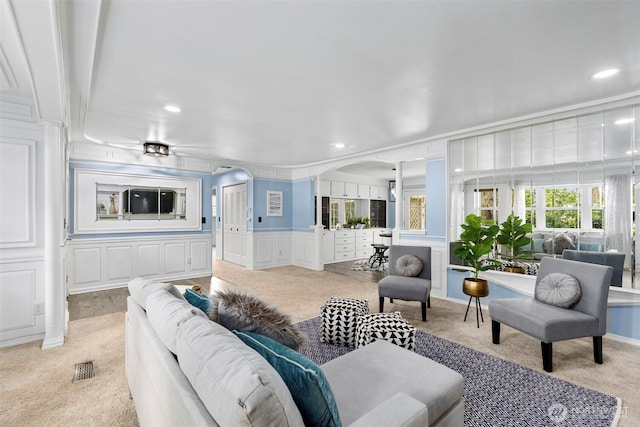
(338, 145)
(172, 108)
(625, 121)
(154, 148)
(605, 73)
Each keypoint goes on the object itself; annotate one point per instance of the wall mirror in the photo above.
(133, 202)
(572, 178)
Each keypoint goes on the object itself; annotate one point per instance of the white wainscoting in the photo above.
(305, 250)
(98, 264)
(21, 302)
(271, 249)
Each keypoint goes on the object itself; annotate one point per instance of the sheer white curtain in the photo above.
(518, 200)
(617, 216)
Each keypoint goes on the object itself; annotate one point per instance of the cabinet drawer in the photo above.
(340, 234)
(344, 241)
(364, 246)
(364, 253)
(344, 255)
(345, 247)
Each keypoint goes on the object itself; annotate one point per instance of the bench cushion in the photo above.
(542, 321)
(368, 376)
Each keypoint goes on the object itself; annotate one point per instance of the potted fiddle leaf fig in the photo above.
(474, 244)
(513, 237)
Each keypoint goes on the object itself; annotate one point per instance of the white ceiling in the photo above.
(280, 82)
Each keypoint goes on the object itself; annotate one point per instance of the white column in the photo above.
(319, 229)
(54, 208)
(399, 198)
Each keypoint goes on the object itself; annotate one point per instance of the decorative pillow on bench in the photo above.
(561, 290)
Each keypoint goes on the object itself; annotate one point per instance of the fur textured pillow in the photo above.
(242, 312)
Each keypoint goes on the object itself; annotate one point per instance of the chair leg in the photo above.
(429, 301)
(391, 300)
(381, 304)
(597, 349)
(423, 306)
(495, 332)
(547, 356)
(467, 312)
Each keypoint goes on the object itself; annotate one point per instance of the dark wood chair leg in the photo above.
(381, 304)
(429, 301)
(495, 332)
(423, 306)
(597, 349)
(391, 300)
(547, 356)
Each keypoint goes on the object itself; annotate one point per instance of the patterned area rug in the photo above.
(363, 265)
(497, 392)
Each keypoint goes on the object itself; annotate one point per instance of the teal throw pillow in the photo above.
(306, 381)
(589, 246)
(201, 301)
(538, 246)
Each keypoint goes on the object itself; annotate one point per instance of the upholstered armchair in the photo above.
(570, 301)
(409, 277)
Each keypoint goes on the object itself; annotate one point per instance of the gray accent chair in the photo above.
(548, 323)
(613, 259)
(406, 288)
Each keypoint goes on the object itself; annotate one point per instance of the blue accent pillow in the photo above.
(201, 301)
(538, 246)
(306, 381)
(589, 246)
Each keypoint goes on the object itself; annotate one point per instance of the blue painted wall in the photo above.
(303, 210)
(262, 222)
(206, 185)
(436, 195)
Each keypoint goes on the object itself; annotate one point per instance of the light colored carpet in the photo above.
(36, 386)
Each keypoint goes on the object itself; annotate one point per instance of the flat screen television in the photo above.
(148, 201)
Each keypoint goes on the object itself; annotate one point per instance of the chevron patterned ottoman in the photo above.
(339, 317)
(385, 326)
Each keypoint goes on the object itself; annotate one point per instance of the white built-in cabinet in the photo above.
(351, 190)
(377, 192)
(348, 244)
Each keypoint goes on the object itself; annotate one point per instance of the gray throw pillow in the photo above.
(563, 242)
(242, 312)
(408, 265)
(558, 289)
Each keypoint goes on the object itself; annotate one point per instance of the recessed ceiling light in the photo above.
(457, 170)
(625, 121)
(605, 73)
(338, 145)
(172, 108)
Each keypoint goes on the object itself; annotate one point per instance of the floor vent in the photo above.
(84, 371)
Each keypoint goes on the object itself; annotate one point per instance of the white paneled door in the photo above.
(234, 223)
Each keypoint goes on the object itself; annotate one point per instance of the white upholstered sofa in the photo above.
(184, 369)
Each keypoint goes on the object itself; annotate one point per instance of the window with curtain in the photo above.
(562, 207)
(487, 201)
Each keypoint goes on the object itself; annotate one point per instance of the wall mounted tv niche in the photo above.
(149, 201)
(109, 202)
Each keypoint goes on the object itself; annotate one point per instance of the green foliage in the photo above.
(358, 220)
(475, 242)
(513, 236)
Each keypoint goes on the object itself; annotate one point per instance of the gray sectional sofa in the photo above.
(184, 369)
